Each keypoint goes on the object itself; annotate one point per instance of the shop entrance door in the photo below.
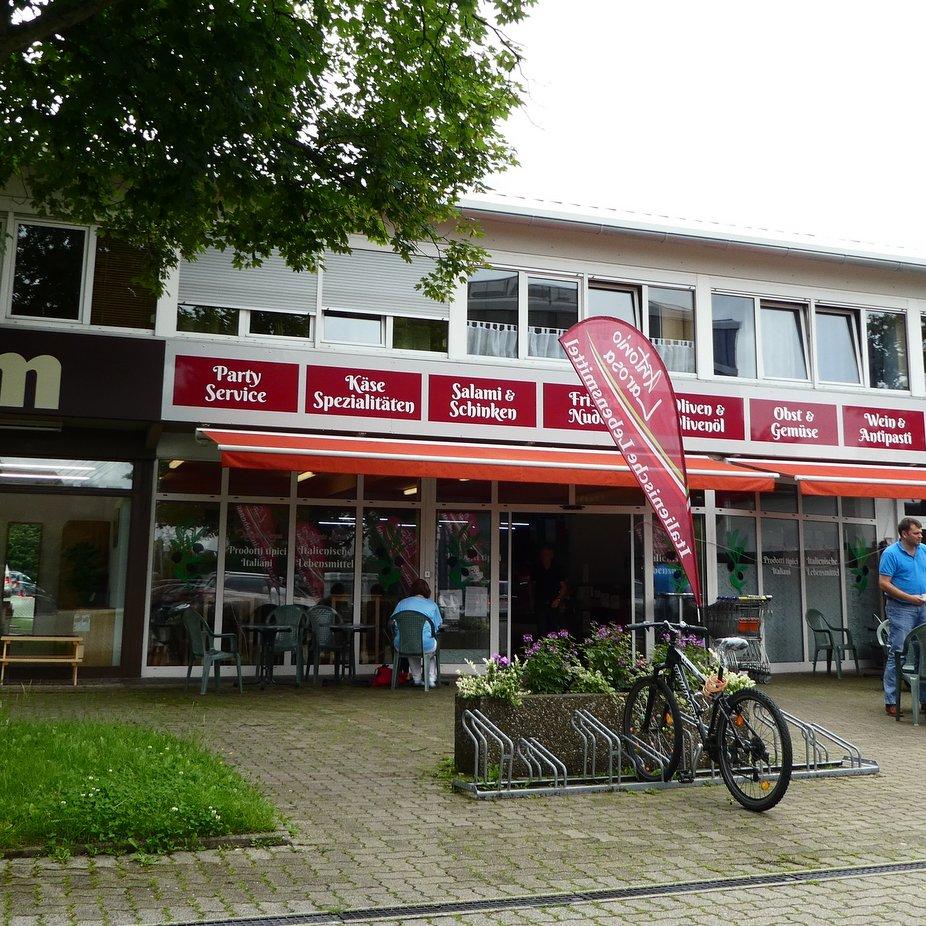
(567, 572)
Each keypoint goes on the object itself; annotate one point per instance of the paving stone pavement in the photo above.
(353, 769)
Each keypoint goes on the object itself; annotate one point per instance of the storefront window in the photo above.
(533, 493)
(858, 508)
(183, 568)
(389, 566)
(746, 501)
(609, 495)
(819, 504)
(821, 569)
(64, 560)
(189, 477)
(673, 598)
(782, 498)
(326, 485)
(461, 585)
(392, 488)
(781, 578)
(464, 490)
(271, 483)
(65, 474)
(325, 543)
(861, 580)
(736, 556)
(256, 558)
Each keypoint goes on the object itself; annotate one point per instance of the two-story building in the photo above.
(334, 436)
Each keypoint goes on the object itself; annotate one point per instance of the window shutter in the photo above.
(212, 280)
(118, 300)
(379, 282)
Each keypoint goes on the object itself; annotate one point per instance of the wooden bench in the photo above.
(74, 659)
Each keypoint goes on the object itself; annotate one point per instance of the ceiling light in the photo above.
(303, 476)
(54, 477)
(175, 464)
(411, 490)
(462, 480)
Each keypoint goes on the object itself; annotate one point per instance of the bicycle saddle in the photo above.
(732, 645)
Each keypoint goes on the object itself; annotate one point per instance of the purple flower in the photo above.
(528, 638)
(503, 662)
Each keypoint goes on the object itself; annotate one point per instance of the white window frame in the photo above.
(803, 307)
(864, 312)
(603, 284)
(244, 327)
(756, 326)
(408, 351)
(85, 296)
(644, 311)
(323, 335)
(856, 326)
(524, 278)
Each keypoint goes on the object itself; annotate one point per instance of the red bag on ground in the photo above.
(382, 677)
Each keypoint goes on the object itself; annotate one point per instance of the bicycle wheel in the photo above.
(754, 749)
(651, 716)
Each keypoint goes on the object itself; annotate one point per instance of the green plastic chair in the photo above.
(407, 627)
(911, 666)
(321, 618)
(882, 635)
(293, 615)
(825, 640)
(199, 637)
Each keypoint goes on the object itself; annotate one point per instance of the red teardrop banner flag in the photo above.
(630, 389)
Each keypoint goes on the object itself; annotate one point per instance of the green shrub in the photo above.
(549, 663)
(609, 651)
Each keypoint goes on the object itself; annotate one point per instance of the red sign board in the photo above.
(703, 416)
(883, 428)
(212, 382)
(511, 403)
(710, 417)
(363, 393)
(569, 408)
(793, 422)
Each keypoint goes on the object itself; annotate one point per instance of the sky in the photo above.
(793, 117)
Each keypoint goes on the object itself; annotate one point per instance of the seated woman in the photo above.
(420, 601)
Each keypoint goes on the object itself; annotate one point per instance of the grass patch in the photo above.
(71, 785)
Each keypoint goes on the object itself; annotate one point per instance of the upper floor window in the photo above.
(886, 337)
(492, 306)
(839, 358)
(48, 272)
(552, 308)
(354, 328)
(671, 327)
(784, 340)
(614, 299)
(734, 324)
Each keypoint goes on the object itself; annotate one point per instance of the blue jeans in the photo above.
(903, 618)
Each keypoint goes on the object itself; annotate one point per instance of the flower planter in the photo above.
(547, 717)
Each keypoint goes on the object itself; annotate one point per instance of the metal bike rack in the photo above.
(537, 758)
(481, 730)
(546, 773)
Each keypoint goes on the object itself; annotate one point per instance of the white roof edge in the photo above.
(535, 210)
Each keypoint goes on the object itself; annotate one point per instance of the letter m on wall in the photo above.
(14, 370)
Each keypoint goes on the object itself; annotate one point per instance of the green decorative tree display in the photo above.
(857, 553)
(737, 560)
(260, 125)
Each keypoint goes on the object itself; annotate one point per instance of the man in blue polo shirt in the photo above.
(902, 579)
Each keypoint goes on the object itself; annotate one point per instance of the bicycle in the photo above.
(746, 734)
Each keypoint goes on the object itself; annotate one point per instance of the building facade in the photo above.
(332, 437)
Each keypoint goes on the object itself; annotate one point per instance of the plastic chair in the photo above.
(199, 639)
(824, 637)
(407, 630)
(293, 615)
(882, 635)
(911, 666)
(324, 640)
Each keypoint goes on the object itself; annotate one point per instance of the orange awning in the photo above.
(849, 479)
(449, 460)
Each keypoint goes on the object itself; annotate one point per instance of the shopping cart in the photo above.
(743, 617)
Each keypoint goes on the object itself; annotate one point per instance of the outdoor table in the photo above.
(353, 630)
(266, 634)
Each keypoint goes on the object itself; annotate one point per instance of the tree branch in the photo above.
(19, 36)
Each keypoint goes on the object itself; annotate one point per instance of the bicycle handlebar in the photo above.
(680, 627)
